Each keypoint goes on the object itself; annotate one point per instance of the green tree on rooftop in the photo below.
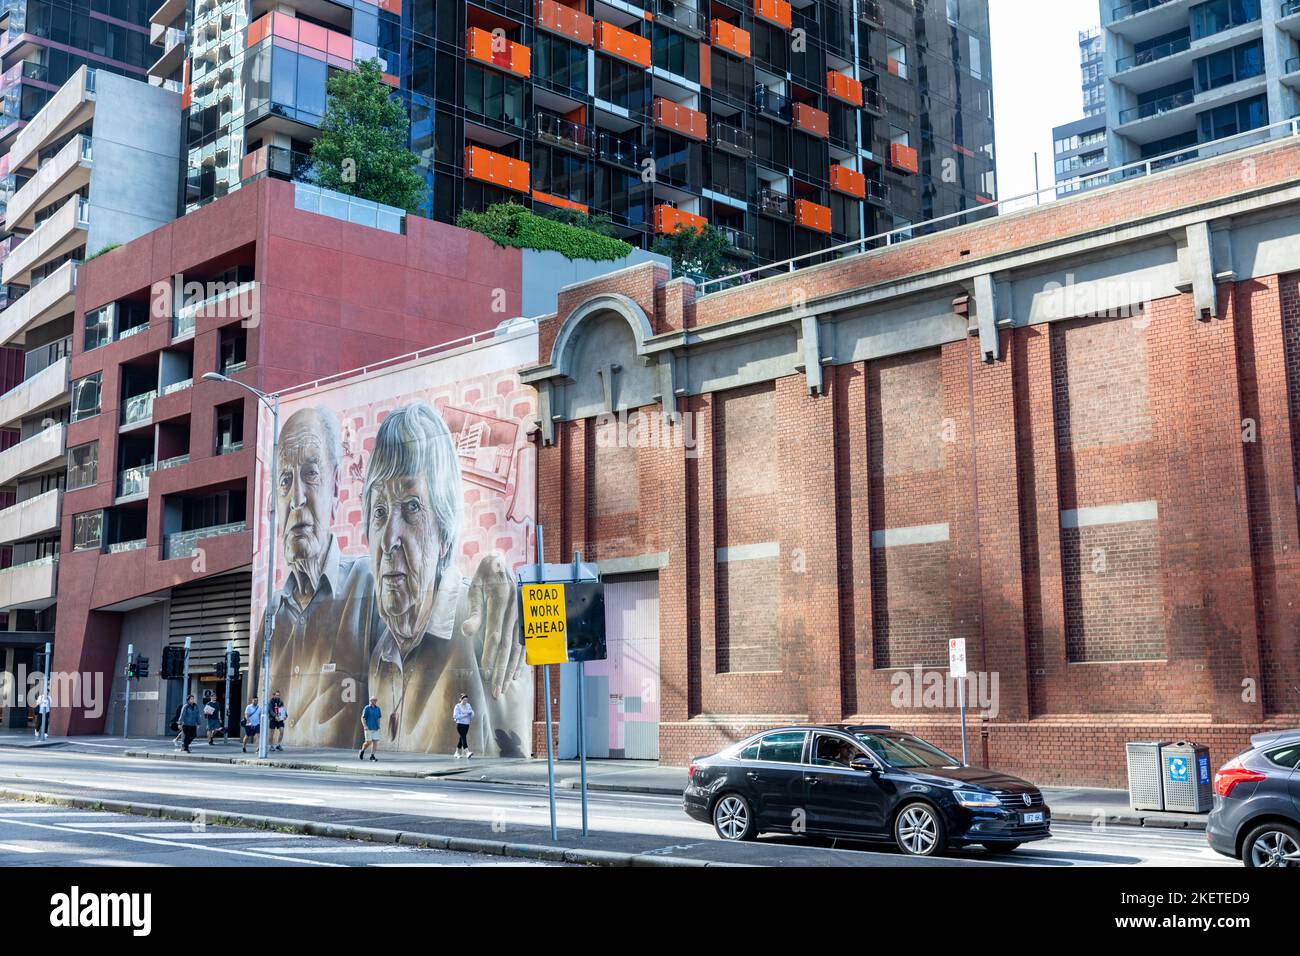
(362, 147)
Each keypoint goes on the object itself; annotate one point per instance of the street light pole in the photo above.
(271, 401)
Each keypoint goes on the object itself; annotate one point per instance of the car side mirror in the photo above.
(865, 764)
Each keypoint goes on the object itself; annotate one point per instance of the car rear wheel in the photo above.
(733, 818)
(1273, 844)
(919, 830)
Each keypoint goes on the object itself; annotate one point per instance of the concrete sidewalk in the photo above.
(1076, 805)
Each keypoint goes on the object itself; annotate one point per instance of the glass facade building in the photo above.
(791, 126)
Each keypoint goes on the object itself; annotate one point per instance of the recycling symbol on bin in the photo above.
(1177, 768)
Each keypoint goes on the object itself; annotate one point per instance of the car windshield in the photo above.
(905, 751)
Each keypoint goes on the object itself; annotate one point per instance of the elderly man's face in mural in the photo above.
(306, 490)
(405, 547)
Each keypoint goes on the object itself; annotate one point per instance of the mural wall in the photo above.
(404, 503)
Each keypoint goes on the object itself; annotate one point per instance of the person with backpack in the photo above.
(252, 723)
(189, 722)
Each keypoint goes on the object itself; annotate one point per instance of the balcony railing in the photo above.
(873, 100)
(177, 386)
(877, 191)
(870, 12)
(1134, 8)
(620, 151)
(769, 101)
(557, 129)
(119, 547)
(183, 544)
(733, 138)
(134, 481)
(738, 240)
(133, 330)
(1156, 107)
(229, 447)
(138, 408)
(1155, 53)
(682, 16)
(172, 462)
(1292, 64)
(1290, 8)
(775, 203)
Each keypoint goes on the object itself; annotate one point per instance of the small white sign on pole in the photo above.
(957, 656)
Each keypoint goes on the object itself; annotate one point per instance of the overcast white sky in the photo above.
(1035, 82)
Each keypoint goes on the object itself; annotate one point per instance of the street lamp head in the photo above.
(214, 377)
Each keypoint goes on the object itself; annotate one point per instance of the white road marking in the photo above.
(17, 848)
(131, 837)
(138, 825)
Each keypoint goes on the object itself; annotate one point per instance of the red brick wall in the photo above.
(1180, 627)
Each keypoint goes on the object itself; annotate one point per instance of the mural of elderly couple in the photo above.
(403, 506)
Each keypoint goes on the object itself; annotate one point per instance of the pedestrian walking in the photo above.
(42, 711)
(252, 724)
(175, 725)
(462, 714)
(370, 725)
(212, 713)
(278, 715)
(189, 722)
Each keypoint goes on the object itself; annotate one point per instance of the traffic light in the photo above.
(234, 663)
(130, 670)
(219, 669)
(173, 663)
(142, 667)
(38, 662)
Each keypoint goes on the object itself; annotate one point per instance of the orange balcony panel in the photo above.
(848, 181)
(623, 44)
(903, 158)
(729, 38)
(811, 120)
(566, 21)
(257, 31)
(498, 52)
(775, 12)
(559, 201)
(812, 215)
(489, 167)
(669, 219)
(844, 87)
(680, 119)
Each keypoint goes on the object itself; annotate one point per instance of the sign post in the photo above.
(562, 621)
(957, 669)
(126, 704)
(225, 713)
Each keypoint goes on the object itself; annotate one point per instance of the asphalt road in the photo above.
(39, 835)
(619, 821)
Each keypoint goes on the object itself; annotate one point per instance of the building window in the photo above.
(86, 396)
(88, 531)
(1234, 118)
(99, 327)
(1219, 15)
(897, 58)
(83, 465)
(494, 95)
(676, 53)
(1230, 66)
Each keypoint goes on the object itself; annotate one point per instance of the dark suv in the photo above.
(863, 783)
(1256, 815)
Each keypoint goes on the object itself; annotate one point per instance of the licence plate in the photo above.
(1028, 818)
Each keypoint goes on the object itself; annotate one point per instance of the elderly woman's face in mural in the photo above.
(404, 547)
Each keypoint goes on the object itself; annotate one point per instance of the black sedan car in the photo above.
(1256, 815)
(862, 783)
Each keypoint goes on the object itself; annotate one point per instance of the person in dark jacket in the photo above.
(189, 722)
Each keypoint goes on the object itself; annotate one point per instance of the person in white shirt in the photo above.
(252, 723)
(462, 714)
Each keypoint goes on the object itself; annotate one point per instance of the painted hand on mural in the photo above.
(491, 621)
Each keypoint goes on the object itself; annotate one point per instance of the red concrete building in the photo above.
(1070, 436)
(166, 459)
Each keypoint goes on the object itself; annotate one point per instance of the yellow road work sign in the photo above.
(544, 623)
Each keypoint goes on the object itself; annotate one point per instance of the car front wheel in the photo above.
(1273, 844)
(919, 831)
(733, 818)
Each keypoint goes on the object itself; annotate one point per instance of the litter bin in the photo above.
(1144, 791)
(1185, 777)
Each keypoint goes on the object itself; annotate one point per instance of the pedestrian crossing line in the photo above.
(227, 835)
(136, 824)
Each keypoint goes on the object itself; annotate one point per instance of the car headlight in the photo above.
(975, 798)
